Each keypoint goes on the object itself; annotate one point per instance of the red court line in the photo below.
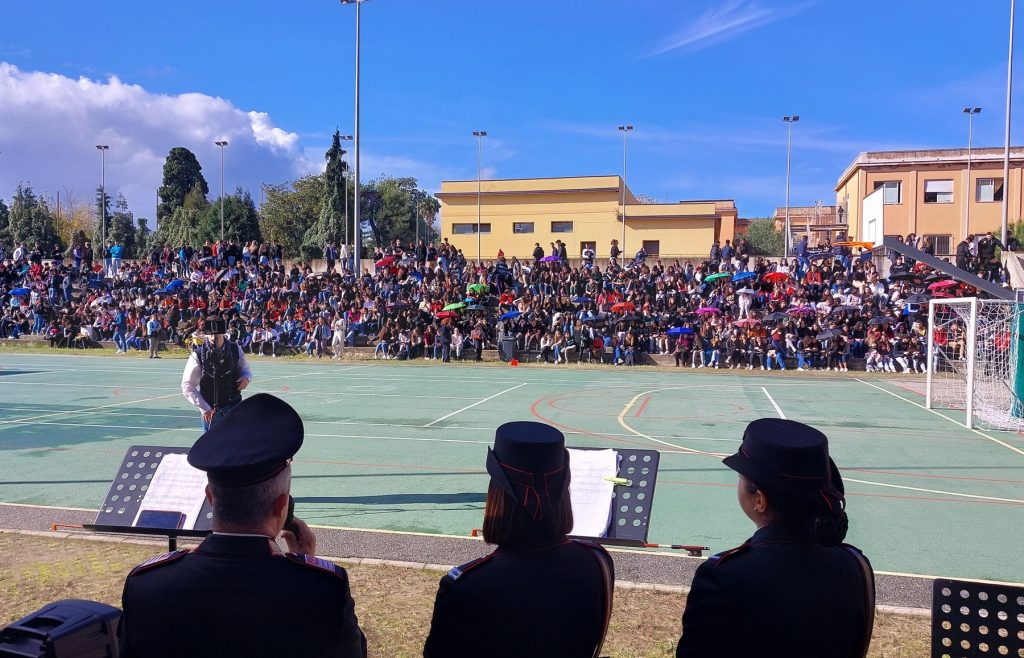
(643, 406)
(580, 430)
(937, 477)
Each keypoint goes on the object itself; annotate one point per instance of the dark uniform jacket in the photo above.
(233, 596)
(552, 601)
(778, 596)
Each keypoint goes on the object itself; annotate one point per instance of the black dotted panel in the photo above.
(631, 504)
(130, 484)
(977, 619)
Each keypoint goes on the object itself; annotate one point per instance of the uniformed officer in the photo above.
(539, 594)
(237, 594)
(216, 373)
(793, 589)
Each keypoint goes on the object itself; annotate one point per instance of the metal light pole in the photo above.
(479, 134)
(966, 228)
(790, 120)
(221, 143)
(356, 237)
(345, 138)
(625, 130)
(103, 148)
(1006, 147)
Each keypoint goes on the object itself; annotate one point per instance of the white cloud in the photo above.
(50, 124)
(725, 21)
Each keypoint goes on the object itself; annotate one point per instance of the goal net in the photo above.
(974, 345)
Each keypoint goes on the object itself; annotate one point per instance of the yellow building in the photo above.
(581, 211)
(928, 193)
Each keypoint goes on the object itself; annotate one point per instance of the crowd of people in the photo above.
(427, 301)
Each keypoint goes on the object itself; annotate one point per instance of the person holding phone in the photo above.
(238, 593)
(539, 593)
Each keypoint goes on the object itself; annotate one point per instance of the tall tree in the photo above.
(182, 176)
(241, 220)
(290, 210)
(141, 237)
(78, 219)
(5, 223)
(428, 208)
(764, 239)
(185, 225)
(121, 227)
(330, 225)
(102, 210)
(30, 218)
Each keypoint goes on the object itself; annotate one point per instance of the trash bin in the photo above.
(507, 348)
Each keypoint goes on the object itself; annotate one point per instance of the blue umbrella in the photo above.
(581, 300)
(21, 292)
(679, 331)
(743, 276)
(174, 286)
(511, 315)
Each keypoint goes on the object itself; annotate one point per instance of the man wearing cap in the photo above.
(538, 594)
(238, 594)
(793, 589)
(216, 373)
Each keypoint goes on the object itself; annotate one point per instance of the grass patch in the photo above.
(393, 603)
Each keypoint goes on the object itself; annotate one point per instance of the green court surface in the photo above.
(399, 446)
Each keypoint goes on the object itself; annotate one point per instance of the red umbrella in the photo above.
(942, 295)
(447, 314)
(942, 285)
(623, 307)
(386, 261)
(776, 277)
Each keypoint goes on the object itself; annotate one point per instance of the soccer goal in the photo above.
(975, 361)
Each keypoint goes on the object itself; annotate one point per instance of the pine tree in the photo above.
(182, 176)
(330, 226)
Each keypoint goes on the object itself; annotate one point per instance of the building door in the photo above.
(591, 245)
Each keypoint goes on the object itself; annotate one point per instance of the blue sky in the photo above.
(705, 82)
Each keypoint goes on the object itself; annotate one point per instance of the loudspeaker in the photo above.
(64, 629)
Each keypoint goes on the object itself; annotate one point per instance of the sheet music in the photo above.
(176, 487)
(590, 492)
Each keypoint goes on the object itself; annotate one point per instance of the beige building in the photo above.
(928, 193)
(818, 222)
(581, 211)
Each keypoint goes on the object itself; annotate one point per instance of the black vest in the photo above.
(219, 383)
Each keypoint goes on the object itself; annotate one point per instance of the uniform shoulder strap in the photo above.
(318, 563)
(869, 595)
(461, 570)
(159, 560)
(722, 557)
(607, 567)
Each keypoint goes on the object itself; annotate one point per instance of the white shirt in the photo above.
(193, 373)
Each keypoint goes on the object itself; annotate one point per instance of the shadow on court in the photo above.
(396, 499)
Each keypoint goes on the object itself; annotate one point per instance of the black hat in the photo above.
(529, 462)
(215, 324)
(788, 458)
(253, 443)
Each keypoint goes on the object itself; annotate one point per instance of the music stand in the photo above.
(120, 511)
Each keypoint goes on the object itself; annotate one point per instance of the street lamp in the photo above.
(355, 200)
(103, 148)
(1006, 146)
(625, 130)
(345, 138)
(221, 143)
(790, 120)
(479, 134)
(966, 228)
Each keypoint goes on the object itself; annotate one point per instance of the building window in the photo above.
(989, 190)
(469, 229)
(652, 247)
(522, 227)
(938, 191)
(561, 227)
(893, 193)
(941, 244)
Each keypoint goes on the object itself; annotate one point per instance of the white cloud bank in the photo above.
(50, 125)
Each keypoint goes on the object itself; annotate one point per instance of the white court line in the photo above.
(774, 403)
(470, 406)
(981, 434)
(935, 491)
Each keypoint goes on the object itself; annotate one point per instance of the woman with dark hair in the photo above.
(793, 589)
(539, 593)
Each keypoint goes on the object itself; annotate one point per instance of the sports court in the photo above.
(400, 446)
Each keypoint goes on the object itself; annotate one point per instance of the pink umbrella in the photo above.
(942, 285)
(749, 322)
(801, 310)
(707, 310)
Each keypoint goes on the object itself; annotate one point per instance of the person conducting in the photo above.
(216, 373)
(238, 594)
(793, 589)
(539, 594)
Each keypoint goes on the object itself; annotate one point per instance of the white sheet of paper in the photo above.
(590, 493)
(176, 487)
